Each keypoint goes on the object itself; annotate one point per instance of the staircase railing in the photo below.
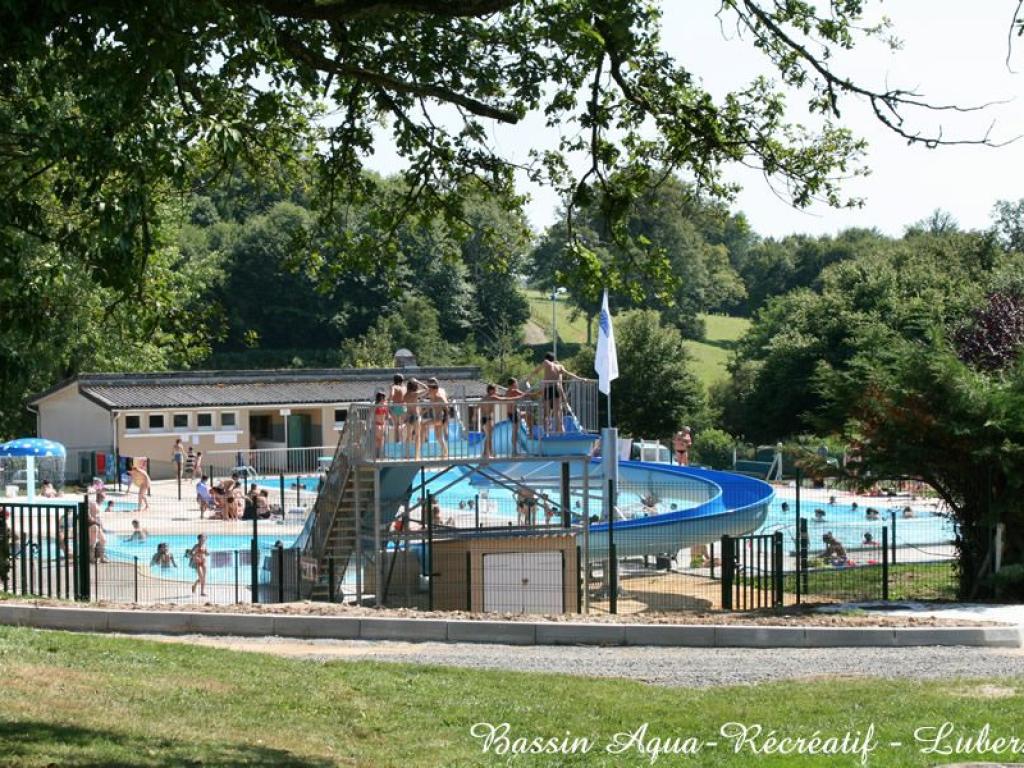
(312, 541)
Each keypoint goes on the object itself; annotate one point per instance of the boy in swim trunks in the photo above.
(438, 415)
(551, 374)
(512, 392)
(414, 418)
(396, 397)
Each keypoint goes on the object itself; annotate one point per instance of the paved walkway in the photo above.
(979, 612)
(686, 667)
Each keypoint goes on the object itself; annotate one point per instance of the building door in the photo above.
(300, 426)
(523, 582)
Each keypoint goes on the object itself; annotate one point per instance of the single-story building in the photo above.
(217, 412)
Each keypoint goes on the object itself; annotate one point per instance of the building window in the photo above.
(340, 414)
(156, 421)
(227, 419)
(180, 421)
(204, 420)
(132, 423)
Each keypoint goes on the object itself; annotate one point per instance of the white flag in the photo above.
(607, 362)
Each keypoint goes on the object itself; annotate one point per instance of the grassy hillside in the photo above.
(710, 356)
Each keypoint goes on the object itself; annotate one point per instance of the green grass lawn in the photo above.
(912, 581)
(709, 356)
(68, 699)
(572, 330)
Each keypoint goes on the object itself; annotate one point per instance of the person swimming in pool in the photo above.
(163, 558)
(137, 534)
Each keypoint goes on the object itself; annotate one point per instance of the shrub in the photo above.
(1008, 584)
(713, 448)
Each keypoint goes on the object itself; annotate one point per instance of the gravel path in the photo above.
(688, 667)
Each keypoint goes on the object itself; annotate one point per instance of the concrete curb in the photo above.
(508, 633)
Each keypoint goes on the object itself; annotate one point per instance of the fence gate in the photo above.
(752, 571)
(44, 550)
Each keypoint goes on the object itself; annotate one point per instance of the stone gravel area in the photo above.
(686, 667)
(803, 616)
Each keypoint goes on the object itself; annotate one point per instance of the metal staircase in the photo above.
(339, 547)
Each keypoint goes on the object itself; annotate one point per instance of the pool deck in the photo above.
(167, 516)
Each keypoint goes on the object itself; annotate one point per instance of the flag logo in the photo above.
(606, 361)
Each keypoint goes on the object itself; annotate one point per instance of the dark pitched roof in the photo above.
(190, 389)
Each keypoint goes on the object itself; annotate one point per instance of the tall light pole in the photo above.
(555, 293)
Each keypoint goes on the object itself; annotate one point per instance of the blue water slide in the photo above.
(735, 505)
(723, 503)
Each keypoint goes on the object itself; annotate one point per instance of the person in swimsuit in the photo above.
(552, 373)
(512, 392)
(178, 457)
(381, 418)
(97, 536)
(197, 555)
(163, 557)
(190, 464)
(397, 397)
(414, 416)
(681, 445)
(137, 534)
(526, 503)
(438, 413)
(140, 477)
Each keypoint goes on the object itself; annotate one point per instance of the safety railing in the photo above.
(543, 422)
(273, 461)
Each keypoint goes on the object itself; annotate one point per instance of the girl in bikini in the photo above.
(198, 555)
(381, 417)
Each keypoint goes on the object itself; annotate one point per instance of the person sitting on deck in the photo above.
(203, 496)
(263, 504)
(835, 552)
(49, 492)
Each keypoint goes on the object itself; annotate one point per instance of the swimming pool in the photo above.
(228, 552)
(849, 524)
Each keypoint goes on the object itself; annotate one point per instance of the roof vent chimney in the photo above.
(405, 359)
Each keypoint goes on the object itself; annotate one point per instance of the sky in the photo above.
(953, 52)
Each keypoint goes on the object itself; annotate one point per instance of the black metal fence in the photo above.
(487, 548)
(45, 550)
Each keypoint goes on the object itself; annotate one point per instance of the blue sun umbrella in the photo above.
(30, 449)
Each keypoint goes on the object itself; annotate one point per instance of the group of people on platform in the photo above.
(411, 411)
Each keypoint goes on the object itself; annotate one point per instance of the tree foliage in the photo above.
(656, 392)
(914, 408)
(902, 288)
(110, 103)
(675, 251)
